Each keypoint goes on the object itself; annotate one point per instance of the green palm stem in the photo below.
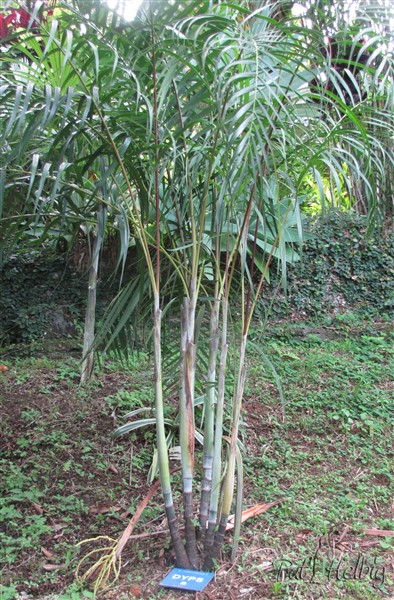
(209, 425)
(187, 177)
(229, 480)
(187, 424)
(213, 546)
(90, 317)
(134, 208)
(254, 251)
(205, 196)
(238, 503)
(217, 449)
(161, 441)
(187, 364)
(211, 395)
(214, 539)
(179, 220)
(162, 451)
(234, 458)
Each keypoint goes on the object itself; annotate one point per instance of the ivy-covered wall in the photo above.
(342, 268)
(40, 295)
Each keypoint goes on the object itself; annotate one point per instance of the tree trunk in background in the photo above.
(90, 317)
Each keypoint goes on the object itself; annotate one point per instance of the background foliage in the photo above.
(35, 288)
(342, 268)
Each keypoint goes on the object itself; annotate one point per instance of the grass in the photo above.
(64, 478)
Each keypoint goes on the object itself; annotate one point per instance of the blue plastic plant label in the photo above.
(189, 581)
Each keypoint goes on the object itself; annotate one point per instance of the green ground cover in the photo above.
(326, 453)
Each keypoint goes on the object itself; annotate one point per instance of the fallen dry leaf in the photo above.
(135, 590)
(95, 510)
(47, 553)
(303, 535)
(265, 566)
(343, 535)
(134, 520)
(255, 510)
(38, 508)
(368, 544)
(49, 567)
(380, 532)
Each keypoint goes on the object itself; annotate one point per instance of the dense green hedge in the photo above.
(342, 268)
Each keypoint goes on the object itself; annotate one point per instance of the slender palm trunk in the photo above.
(182, 559)
(164, 469)
(217, 451)
(187, 425)
(209, 423)
(228, 485)
(90, 316)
